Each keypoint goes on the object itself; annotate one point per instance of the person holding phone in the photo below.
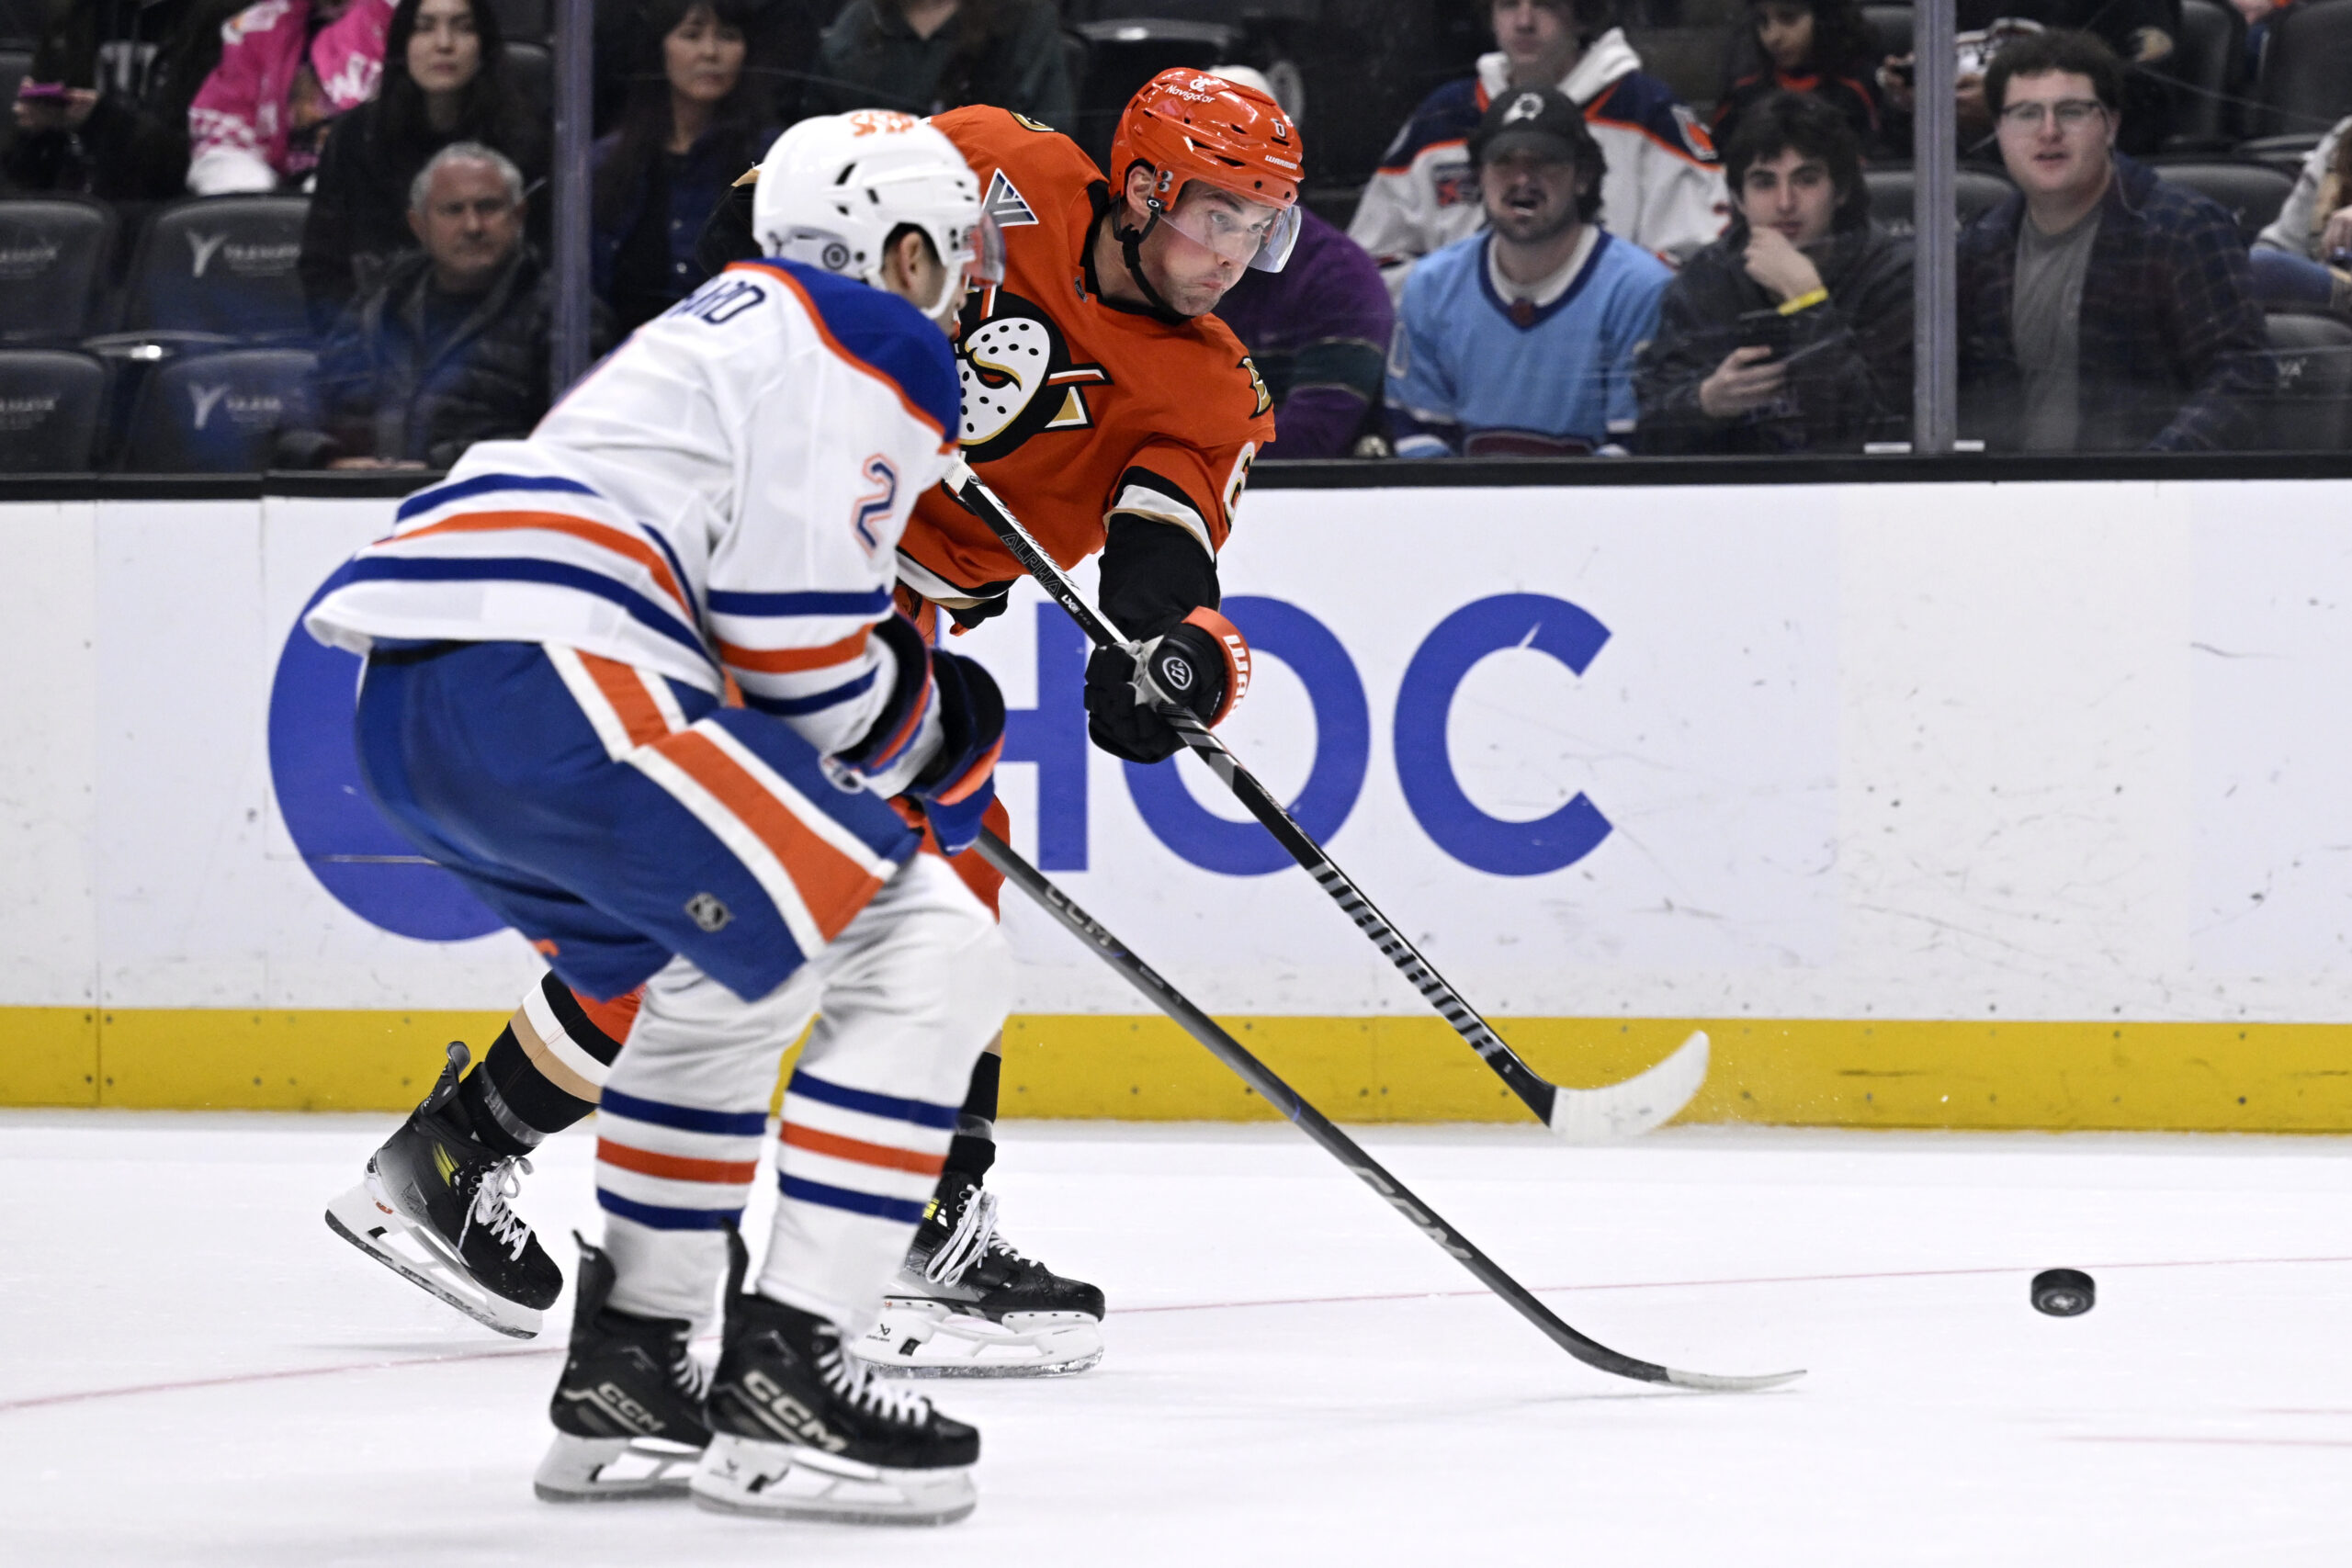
(102, 111)
(1791, 333)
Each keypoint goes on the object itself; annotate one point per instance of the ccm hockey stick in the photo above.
(1338, 1144)
(1579, 1115)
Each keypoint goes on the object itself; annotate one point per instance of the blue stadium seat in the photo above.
(49, 410)
(53, 255)
(221, 264)
(220, 413)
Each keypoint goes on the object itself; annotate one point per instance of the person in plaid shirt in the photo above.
(2100, 309)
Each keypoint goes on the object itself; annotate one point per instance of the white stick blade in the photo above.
(1714, 1384)
(1643, 1102)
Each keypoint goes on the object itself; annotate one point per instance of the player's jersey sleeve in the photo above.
(839, 438)
(1191, 472)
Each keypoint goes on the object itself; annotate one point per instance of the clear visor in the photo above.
(1239, 230)
(979, 264)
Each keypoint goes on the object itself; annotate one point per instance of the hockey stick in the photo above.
(1338, 1144)
(1579, 1115)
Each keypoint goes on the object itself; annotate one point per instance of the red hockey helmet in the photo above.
(1188, 125)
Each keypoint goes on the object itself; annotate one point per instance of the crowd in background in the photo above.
(1556, 254)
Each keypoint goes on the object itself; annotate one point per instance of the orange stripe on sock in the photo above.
(882, 1154)
(676, 1167)
(834, 886)
(623, 687)
(602, 534)
(617, 1017)
(791, 660)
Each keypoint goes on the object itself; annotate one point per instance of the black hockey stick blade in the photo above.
(1338, 1144)
(1579, 1115)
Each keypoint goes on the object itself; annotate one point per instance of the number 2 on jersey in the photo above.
(874, 506)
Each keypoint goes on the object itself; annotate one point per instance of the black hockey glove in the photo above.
(1201, 664)
(957, 787)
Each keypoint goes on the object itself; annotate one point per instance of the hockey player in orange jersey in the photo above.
(1117, 415)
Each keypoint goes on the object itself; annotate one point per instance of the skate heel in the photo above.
(933, 1340)
(785, 1480)
(613, 1470)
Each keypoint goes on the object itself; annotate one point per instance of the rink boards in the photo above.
(1966, 805)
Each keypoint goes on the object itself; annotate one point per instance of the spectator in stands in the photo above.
(1805, 46)
(1791, 333)
(694, 121)
(451, 346)
(287, 67)
(923, 56)
(1317, 332)
(102, 111)
(2140, 31)
(1665, 190)
(445, 81)
(2100, 309)
(2304, 258)
(1521, 342)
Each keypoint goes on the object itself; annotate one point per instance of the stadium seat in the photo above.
(222, 264)
(2311, 411)
(53, 256)
(2306, 70)
(2210, 70)
(1124, 55)
(49, 410)
(531, 67)
(220, 413)
(1975, 191)
(2252, 192)
(1890, 26)
(2287, 153)
(15, 64)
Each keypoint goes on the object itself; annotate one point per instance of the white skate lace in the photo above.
(967, 1243)
(507, 1227)
(864, 1389)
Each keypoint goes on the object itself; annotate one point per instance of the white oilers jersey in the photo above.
(722, 496)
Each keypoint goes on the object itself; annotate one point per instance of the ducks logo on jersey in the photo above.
(1018, 377)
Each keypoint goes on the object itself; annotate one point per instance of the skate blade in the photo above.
(613, 1470)
(364, 1219)
(781, 1481)
(930, 1339)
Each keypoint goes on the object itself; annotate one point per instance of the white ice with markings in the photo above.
(194, 1370)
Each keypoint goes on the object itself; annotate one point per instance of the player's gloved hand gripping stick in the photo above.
(1338, 1144)
(1579, 1115)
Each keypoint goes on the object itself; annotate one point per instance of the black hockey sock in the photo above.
(543, 1074)
(974, 1148)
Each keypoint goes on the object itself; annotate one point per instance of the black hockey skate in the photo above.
(968, 1304)
(627, 1409)
(801, 1430)
(432, 1208)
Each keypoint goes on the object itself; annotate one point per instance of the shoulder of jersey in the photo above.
(1640, 102)
(1449, 114)
(995, 138)
(877, 332)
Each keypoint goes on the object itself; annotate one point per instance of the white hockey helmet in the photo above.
(834, 188)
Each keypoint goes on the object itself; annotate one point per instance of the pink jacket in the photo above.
(239, 121)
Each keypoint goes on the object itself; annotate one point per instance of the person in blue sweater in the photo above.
(1520, 340)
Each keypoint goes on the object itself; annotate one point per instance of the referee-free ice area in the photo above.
(193, 1369)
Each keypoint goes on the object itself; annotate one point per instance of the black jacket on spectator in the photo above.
(871, 59)
(641, 246)
(134, 145)
(1849, 358)
(383, 392)
(2174, 346)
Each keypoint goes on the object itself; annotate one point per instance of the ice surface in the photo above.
(194, 1370)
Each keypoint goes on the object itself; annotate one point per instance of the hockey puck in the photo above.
(2064, 1292)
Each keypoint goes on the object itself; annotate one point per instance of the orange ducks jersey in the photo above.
(1074, 407)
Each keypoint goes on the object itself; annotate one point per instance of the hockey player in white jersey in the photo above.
(549, 636)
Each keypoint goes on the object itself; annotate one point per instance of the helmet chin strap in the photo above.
(1131, 250)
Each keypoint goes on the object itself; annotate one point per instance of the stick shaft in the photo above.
(1538, 1095)
(1308, 1120)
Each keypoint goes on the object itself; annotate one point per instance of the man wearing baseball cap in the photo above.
(1520, 340)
